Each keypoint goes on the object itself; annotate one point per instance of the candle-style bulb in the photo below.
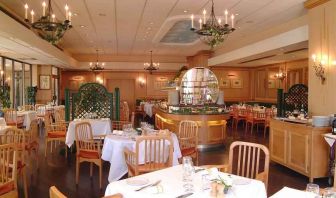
(232, 21)
(26, 11)
(226, 16)
(53, 16)
(32, 16)
(219, 21)
(43, 8)
(70, 14)
(314, 57)
(66, 11)
(192, 21)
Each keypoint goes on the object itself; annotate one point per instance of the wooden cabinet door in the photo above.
(278, 144)
(298, 151)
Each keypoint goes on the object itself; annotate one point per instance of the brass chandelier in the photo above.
(151, 66)
(97, 66)
(48, 27)
(211, 30)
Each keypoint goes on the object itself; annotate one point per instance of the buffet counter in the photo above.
(300, 147)
(212, 127)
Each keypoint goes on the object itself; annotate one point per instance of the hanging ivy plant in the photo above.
(31, 95)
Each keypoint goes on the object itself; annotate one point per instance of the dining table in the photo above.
(113, 152)
(171, 185)
(28, 117)
(100, 127)
(287, 192)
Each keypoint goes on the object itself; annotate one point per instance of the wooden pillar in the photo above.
(322, 31)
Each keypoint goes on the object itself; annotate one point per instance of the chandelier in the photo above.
(211, 30)
(97, 66)
(151, 66)
(48, 27)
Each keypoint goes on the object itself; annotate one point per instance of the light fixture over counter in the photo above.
(48, 26)
(151, 66)
(211, 30)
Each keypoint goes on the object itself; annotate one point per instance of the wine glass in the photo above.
(314, 188)
(188, 173)
(329, 193)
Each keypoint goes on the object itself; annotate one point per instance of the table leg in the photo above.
(331, 163)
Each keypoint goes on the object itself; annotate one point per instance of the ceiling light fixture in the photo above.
(97, 66)
(211, 30)
(48, 27)
(151, 66)
(82, 26)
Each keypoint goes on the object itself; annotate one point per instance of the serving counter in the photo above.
(212, 127)
(300, 147)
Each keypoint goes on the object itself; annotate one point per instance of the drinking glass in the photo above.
(188, 173)
(205, 182)
(314, 188)
(329, 193)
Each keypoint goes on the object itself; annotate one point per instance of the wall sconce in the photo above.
(319, 67)
(281, 75)
(99, 80)
(142, 82)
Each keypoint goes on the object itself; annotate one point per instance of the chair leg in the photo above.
(45, 148)
(66, 150)
(100, 174)
(24, 179)
(91, 169)
(77, 170)
(51, 147)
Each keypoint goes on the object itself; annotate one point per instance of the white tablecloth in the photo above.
(148, 108)
(286, 192)
(171, 182)
(28, 117)
(99, 127)
(113, 151)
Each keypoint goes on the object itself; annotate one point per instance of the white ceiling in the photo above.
(128, 27)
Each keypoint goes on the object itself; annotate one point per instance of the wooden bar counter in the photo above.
(211, 131)
(300, 147)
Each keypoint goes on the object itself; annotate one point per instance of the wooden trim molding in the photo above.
(309, 4)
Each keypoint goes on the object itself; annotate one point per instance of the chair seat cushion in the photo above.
(89, 154)
(56, 134)
(188, 151)
(6, 187)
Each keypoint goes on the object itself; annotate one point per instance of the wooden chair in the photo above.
(28, 108)
(245, 159)
(254, 117)
(55, 193)
(59, 115)
(8, 171)
(32, 142)
(118, 125)
(88, 150)
(268, 116)
(157, 152)
(238, 115)
(124, 111)
(17, 137)
(188, 139)
(54, 132)
(158, 122)
(13, 119)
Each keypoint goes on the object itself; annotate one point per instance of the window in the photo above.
(18, 84)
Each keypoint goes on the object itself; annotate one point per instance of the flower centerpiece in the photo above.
(221, 179)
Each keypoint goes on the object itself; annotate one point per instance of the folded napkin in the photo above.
(117, 132)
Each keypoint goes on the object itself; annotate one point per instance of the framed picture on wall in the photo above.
(271, 84)
(237, 83)
(44, 82)
(225, 83)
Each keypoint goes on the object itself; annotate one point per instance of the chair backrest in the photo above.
(28, 107)
(84, 137)
(33, 132)
(157, 151)
(124, 111)
(158, 122)
(40, 109)
(118, 125)
(59, 114)
(8, 167)
(55, 193)
(14, 135)
(245, 159)
(10, 115)
(188, 134)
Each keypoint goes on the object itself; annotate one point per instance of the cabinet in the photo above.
(300, 148)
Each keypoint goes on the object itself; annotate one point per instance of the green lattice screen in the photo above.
(92, 98)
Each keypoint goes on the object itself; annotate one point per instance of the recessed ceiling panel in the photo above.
(180, 33)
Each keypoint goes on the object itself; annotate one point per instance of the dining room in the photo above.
(167, 98)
